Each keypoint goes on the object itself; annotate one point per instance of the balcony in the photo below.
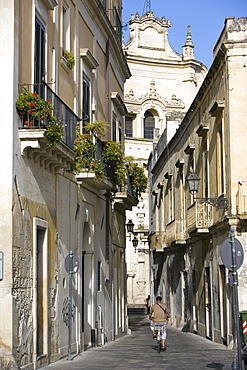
(241, 199)
(88, 175)
(142, 227)
(199, 218)
(64, 115)
(124, 199)
(114, 18)
(157, 241)
(34, 145)
(175, 232)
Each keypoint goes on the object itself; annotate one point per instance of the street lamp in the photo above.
(130, 227)
(193, 182)
(135, 242)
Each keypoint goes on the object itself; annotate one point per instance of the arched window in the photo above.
(149, 124)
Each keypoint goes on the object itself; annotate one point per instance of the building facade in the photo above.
(162, 85)
(187, 231)
(67, 54)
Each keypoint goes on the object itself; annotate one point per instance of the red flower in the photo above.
(34, 94)
(32, 105)
(48, 101)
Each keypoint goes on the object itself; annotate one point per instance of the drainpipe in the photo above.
(113, 309)
(107, 90)
(34, 299)
(212, 300)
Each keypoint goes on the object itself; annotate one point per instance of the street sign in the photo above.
(71, 266)
(226, 253)
(71, 263)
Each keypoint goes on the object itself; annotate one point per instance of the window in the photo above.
(118, 25)
(39, 54)
(40, 293)
(171, 199)
(128, 126)
(120, 132)
(99, 277)
(114, 127)
(149, 124)
(220, 159)
(65, 27)
(205, 171)
(86, 101)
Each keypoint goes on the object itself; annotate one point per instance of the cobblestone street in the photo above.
(138, 351)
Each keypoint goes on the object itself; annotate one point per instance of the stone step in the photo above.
(136, 309)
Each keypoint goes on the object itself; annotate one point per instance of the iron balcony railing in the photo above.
(109, 170)
(113, 15)
(65, 116)
(127, 188)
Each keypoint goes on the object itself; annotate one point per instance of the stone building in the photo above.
(187, 231)
(67, 54)
(160, 90)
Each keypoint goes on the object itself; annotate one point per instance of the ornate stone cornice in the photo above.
(134, 103)
(149, 19)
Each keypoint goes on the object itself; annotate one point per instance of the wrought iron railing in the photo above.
(127, 187)
(65, 116)
(114, 18)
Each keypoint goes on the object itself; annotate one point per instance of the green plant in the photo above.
(54, 133)
(97, 128)
(70, 59)
(84, 148)
(98, 169)
(113, 157)
(137, 177)
(114, 166)
(36, 108)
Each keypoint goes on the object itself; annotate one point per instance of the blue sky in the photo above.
(206, 18)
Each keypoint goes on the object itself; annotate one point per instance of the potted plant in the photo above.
(70, 59)
(137, 175)
(97, 128)
(36, 112)
(54, 133)
(85, 149)
(33, 109)
(113, 157)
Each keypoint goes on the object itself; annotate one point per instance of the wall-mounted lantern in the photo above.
(130, 227)
(135, 242)
(193, 183)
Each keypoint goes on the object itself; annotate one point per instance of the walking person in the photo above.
(147, 301)
(159, 314)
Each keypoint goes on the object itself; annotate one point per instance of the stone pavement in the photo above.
(138, 351)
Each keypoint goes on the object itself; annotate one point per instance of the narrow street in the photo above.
(138, 351)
